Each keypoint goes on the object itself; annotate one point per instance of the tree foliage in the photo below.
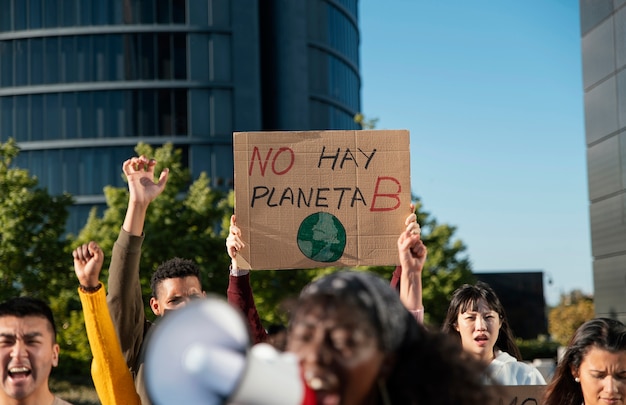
(35, 256)
(33, 251)
(573, 310)
(365, 122)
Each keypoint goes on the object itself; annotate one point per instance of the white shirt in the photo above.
(506, 370)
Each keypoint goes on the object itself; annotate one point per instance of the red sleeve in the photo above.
(240, 296)
(395, 278)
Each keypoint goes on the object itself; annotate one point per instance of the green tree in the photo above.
(33, 251)
(573, 310)
(35, 258)
(364, 122)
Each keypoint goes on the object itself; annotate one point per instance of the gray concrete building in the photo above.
(83, 81)
(603, 30)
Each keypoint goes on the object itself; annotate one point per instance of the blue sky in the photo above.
(491, 92)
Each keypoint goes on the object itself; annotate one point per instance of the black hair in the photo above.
(466, 298)
(276, 328)
(432, 368)
(22, 307)
(173, 268)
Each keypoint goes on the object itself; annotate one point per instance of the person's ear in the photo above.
(575, 373)
(156, 308)
(55, 355)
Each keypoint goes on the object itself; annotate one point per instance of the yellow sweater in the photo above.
(112, 379)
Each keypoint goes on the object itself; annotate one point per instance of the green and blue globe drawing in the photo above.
(322, 237)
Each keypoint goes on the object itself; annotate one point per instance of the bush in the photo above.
(540, 348)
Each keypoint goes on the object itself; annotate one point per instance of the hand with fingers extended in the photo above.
(143, 190)
(233, 242)
(140, 174)
(88, 260)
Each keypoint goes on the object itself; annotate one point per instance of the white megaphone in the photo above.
(201, 355)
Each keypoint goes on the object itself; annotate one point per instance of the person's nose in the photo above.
(318, 352)
(19, 350)
(480, 324)
(611, 385)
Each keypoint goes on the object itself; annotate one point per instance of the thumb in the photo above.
(163, 178)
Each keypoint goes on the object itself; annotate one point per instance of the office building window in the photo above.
(52, 116)
(80, 171)
(36, 127)
(36, 61)
(35, 20)
(51, 14)
(5, 17)
(85, 13)
(68, 14)
(20, 17)
(6, 63)
(51, 55)
(88, 58)
(69, 128)
(6, 118)
(20, 47)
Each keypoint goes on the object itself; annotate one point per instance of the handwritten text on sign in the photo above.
(314, 199)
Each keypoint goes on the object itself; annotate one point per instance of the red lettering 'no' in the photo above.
(256, 154)
(393, 196)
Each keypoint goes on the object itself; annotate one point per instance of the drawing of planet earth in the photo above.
(322, 237)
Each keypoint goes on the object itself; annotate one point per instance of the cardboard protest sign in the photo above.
(312, 199)
(522, 395)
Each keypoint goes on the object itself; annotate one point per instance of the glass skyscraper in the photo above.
(603, 29)
(83, 81)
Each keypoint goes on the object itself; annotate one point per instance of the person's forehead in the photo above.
(11, 324)
(598, 358)
(332, 318)
(479, 306)
(180, 285)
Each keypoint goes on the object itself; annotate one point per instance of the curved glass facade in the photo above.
(83, 81)
(334, 55)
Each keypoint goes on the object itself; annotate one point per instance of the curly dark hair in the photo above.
(173, 268)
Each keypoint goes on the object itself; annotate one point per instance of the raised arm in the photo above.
(412, 253)
(125, 299)
(111, 377)
(239, 289)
